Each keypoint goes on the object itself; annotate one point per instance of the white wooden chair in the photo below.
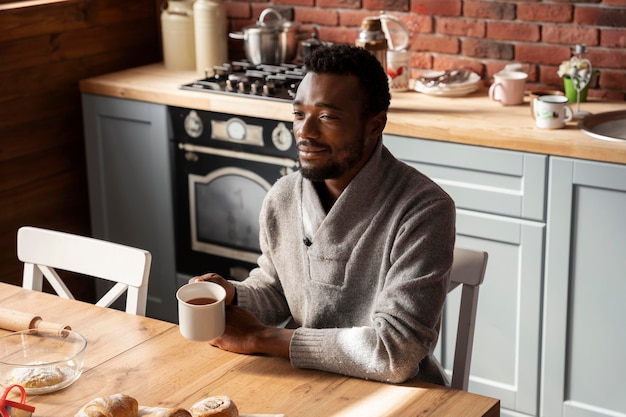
(43, 250)
(468, 270)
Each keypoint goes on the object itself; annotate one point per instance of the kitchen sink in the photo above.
(605, 126)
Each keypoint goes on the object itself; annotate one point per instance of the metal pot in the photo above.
(270, 43)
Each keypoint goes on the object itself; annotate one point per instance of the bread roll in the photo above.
(217, 406)
(116, 405)
(162, 412)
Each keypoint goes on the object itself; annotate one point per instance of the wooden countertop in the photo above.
(149, 360)
(473, 119)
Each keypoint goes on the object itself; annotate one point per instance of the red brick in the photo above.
(294, 2)
(489, 10)
(613, 38)
(353, 17)
(513, 31)
(600, 16)
(459, 26)
(338, 34)
(542, 54)
(387, 5)
(612, 79)
(614, 58)
(446, 62)
(555, 13)
(316, 16)
(437, 7)
(617, 3)
(421, 60)
(434, 43)
(344, 4)
(482, 48)
(572, 36)
(238, 9)
(548, 75)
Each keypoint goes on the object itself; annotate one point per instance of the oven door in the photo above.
(220, 193)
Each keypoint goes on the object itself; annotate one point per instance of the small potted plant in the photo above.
(576, 73)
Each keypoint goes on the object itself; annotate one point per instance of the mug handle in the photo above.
(569, 113)
(492, 91)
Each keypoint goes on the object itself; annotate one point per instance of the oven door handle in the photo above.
(287, 162)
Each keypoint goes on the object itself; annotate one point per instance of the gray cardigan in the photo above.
(366, 294)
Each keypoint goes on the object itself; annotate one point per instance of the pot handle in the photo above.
(237, 35)
(267, 11)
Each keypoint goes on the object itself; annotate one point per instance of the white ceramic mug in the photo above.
(552, 112)
(398, 70)
(201, 310)
(508, 87)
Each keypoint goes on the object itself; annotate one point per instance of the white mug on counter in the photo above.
(201, 310)
(552, 112)
(508, 87)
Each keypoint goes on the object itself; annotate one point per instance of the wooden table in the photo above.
(149, 360)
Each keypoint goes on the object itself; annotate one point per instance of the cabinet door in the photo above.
(129, 173)
(505, 359)
(584, 354)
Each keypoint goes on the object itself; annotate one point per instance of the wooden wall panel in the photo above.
(45, 50)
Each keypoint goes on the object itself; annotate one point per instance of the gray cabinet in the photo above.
(584, 338)
(129, 174)
(500, 198)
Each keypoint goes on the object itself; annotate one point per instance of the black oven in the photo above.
(223, 167)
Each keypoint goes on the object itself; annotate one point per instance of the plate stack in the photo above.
(454, 83)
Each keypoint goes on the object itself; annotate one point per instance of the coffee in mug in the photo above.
(508, 87)
(552, 112)
(201, 310)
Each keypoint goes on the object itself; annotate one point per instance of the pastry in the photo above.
(162, 412)
(217, 406)
(116, 405)
(37, 377)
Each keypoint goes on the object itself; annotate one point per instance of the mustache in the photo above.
(307, 143)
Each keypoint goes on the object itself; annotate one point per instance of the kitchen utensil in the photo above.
(552, 112)
(201, 310)
(41, 360)
(273, 42)
(508, 87)
(395, 31)
(10, 408)
(398, 70)
(209, 19)
(372, 38)
(177, 32)
(16, 320)
(448, 84)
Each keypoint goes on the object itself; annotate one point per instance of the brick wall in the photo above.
(483, 35)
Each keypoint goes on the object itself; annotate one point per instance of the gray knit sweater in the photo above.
(366, 295)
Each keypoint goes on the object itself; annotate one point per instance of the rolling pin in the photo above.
(16, 321)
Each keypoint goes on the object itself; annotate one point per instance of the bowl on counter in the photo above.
(41, 361)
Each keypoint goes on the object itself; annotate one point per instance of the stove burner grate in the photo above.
(271, 82)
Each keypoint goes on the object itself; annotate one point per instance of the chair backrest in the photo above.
(468, 270)
(43, 250)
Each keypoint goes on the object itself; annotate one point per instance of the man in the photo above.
(356, 246)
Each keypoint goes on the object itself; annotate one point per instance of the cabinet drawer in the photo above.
(488, 180)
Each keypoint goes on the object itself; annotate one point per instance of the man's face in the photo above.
(333, 139)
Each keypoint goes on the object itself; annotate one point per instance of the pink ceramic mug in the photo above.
(508, 87)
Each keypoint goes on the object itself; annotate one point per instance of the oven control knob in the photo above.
(281, 137)
(193, 124)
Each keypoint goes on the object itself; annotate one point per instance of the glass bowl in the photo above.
(41, 361)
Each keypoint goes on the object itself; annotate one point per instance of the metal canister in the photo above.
(372, 38)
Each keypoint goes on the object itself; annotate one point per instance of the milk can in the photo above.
(210, 34)
(372, 38)
(177, 31)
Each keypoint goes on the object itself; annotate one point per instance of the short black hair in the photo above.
(344, 59)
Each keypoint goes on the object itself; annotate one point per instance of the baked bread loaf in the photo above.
(116, 405)
(162, 412)
(217, 406)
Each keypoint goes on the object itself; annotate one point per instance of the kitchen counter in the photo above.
(474, 119)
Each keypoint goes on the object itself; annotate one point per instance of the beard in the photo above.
(334, 167)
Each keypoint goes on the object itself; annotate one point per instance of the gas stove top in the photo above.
(270, 82)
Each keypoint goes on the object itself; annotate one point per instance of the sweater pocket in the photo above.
(327, 267)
